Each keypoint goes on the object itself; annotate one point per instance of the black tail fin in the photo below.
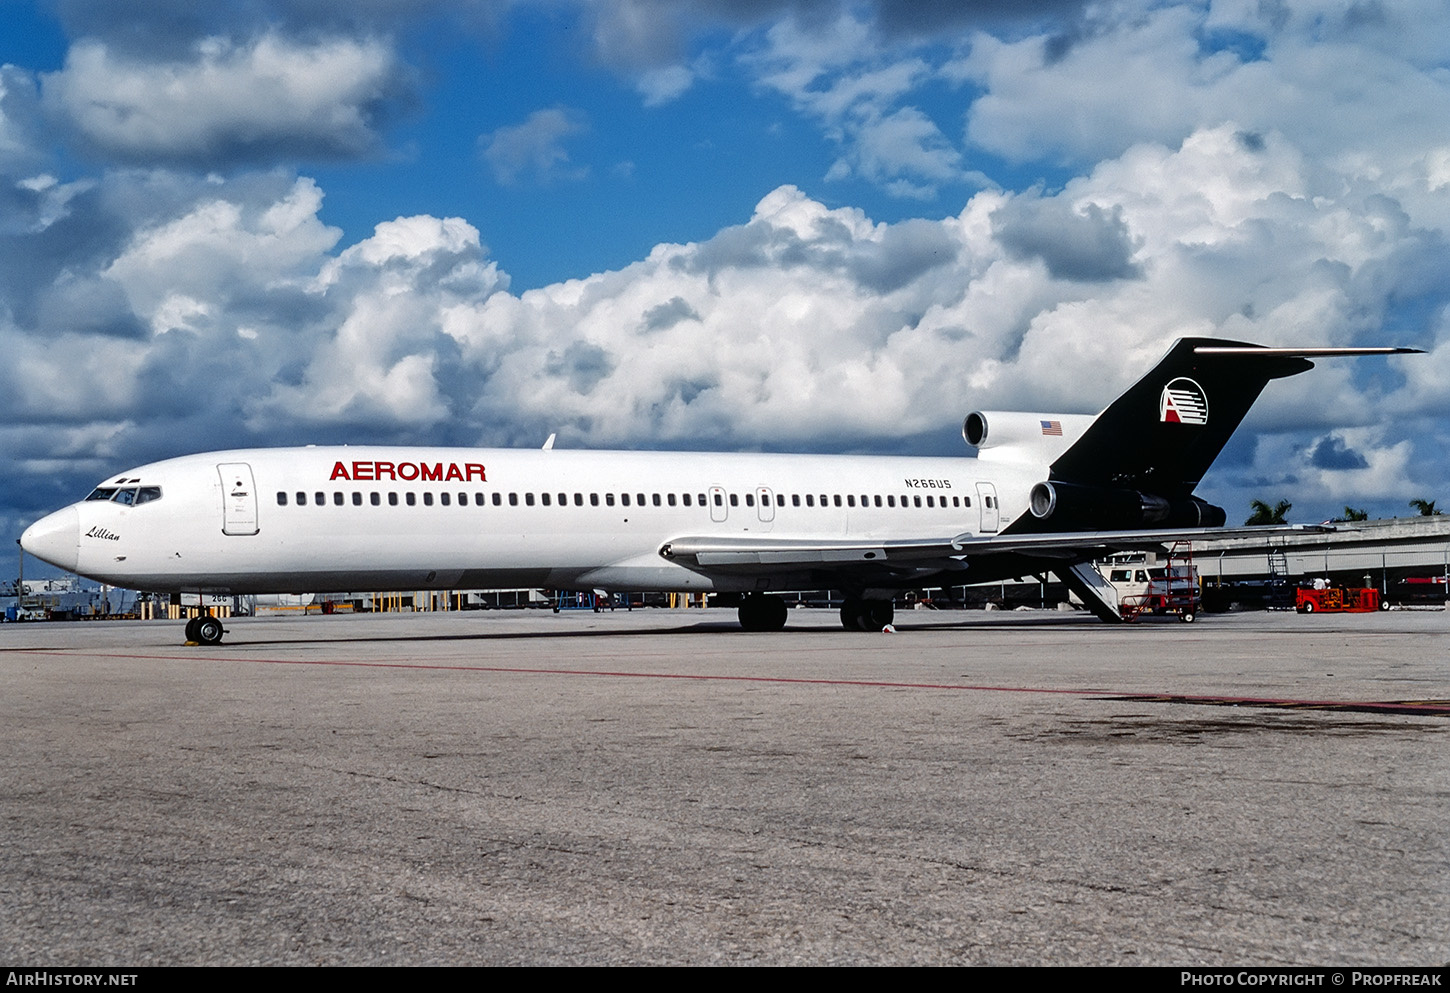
(1161, 436)
(1138, 463)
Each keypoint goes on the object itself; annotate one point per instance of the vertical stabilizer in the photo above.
(1161, 436)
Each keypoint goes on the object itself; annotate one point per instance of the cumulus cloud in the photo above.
(839, 74)
(1319, 74)
(660, 86)
(227, 101)
(20, 122)
(1091, 244)
(1330, 452)
(534, 149)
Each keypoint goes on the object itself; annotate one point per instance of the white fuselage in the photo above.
(365, 518)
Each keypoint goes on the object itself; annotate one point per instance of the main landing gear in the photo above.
(866, 615)
(206, 630)
(760, 612)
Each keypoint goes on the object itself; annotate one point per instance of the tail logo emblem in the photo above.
(1183, 402)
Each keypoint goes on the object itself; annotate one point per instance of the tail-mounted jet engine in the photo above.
(1071, 506)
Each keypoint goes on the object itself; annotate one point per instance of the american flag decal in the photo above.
(1183, 402)
(1052, 428)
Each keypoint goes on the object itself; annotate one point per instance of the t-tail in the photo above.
(1136, 465)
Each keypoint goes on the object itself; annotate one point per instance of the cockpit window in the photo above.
(128, 495)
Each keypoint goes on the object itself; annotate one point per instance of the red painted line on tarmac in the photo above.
(1422, 707)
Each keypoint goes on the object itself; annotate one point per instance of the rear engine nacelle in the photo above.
(1071, 506)
(1011, 428)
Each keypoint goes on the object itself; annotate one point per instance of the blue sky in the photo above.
(742, 224)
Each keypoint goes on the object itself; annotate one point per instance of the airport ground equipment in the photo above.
(1339, 600)
(1171, 589)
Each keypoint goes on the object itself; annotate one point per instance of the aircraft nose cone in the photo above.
(55, 538)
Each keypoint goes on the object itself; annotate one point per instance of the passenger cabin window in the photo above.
(356, 498)
(301, 498)
(337, 498)
(392, 499)
(319, 498)
(427, 499)
(445, 499)
(411, 498)
(375, 498)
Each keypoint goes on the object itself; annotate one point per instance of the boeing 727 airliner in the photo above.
(1047, 492)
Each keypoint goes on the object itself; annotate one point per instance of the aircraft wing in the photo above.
(743, 553)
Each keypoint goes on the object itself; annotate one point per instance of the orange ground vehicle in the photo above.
(1339, 599)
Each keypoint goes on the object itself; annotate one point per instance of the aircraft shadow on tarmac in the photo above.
(237, 637)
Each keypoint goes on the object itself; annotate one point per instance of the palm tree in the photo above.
(1264, 514)
(1425, 507)
(1350, 514)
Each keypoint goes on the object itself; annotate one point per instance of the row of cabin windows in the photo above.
(445, 498)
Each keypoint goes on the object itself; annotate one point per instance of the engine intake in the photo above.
(1072, 506)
